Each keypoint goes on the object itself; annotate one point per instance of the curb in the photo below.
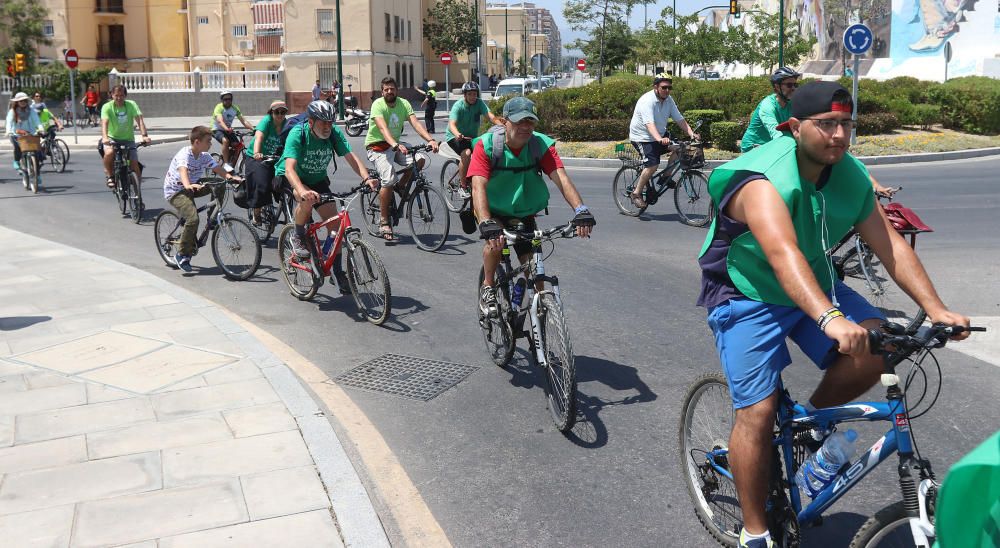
(354, 514)
(614, 163)
(83, 146)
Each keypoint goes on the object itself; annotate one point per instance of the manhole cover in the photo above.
(407, 376)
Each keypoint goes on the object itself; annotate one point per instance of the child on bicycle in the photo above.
(191, 162)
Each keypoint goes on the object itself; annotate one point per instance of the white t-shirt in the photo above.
(196, 170)
(650, 109)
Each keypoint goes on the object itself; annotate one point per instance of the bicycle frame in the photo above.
(332, 243)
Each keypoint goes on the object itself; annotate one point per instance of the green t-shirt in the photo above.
(121, 121)
(394, 117)
(46, 118)
(272, 137)
(764, 122)
(467, 117)
(312, 154)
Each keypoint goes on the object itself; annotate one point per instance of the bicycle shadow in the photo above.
(837, 530)
(403, 307)
(14, 323)
(589, 430)
(214, 270)
(662, 217)
(56, 189)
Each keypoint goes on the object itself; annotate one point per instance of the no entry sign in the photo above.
(72, 60)
(581, 65)
(446, 58)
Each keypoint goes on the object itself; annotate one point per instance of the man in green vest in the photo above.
(772, 110)
(766, 277)
(511, 190)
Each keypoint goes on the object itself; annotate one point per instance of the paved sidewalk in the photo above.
(133, 411)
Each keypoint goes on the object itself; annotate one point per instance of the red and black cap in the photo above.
(819, 97)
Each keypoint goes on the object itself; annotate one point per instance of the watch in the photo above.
(395, 146)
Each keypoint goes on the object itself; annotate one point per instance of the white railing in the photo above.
(139, 82)
(251, 80)
(10, 85)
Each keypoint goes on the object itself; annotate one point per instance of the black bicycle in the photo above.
(56, 150)
(235, 246)
(683, 175)
(456, 197)
(266, 219)
(529, 292)
(126, 189)
(419, 201)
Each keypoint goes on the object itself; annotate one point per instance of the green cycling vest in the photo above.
(848, 200)
(516, 193)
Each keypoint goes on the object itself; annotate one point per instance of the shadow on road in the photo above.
(837, 530)
(14, 323)
(589, 430)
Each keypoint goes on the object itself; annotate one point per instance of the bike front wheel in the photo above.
(450, 186)
(694, 205)
(369, 280)
(888, 528)
(33, 173)
(298, 273)
(497, 332)
(167, 232)
(57, 158)
(136, 207)
(625, 182)
(428, 217)
(560, 367)
(705, 424)
(236, 249)
(64, 148)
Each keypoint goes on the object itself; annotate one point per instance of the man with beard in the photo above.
(772, 110)
(766, 277)
(389, 113)
(309, 148)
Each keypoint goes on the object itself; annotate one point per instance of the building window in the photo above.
(203, 20)
(110, 6)
(111, 42)
(397, 72)
(324, 21)
(412, 81)
(395, 29)
(239, 31)
(326, 73)
(409, 31)
(388, 70)
(48, 28)
(388, 28)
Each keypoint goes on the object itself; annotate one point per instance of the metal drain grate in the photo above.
(408, 376)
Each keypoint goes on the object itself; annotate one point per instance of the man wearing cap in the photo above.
(511, 189)
(766, 277)
(266, 141)
(648, 130)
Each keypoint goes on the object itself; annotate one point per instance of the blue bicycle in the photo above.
(707, 419)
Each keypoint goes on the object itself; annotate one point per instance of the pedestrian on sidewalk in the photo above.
(430, 105)
(317, 91)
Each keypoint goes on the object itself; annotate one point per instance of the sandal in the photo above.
(385, 232)
(637, 201)
(110, 182)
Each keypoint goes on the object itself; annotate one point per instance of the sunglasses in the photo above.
(666, 87)
(792, 85)
(280, 111)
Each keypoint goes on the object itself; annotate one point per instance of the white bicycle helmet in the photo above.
(224, 93)
(322, 111)
(431, 83)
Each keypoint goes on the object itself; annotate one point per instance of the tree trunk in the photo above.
(604, 30)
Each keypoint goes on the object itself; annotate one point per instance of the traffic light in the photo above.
(19, 65)
(10, 68)
(734, 8)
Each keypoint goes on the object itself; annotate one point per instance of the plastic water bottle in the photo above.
(518, 295)
(819, 469)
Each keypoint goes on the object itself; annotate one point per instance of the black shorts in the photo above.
(458, 145)
(219, 134)
(281, 184)
(522, 247)
(651, 152)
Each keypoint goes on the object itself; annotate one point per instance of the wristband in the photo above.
(828, 317)
(395, 146)
(580, 209)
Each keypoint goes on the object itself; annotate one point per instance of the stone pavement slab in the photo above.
(312, 529)
(49, 527)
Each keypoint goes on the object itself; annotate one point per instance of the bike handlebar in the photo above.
(895, 341)
(328, 197)
(567, 230)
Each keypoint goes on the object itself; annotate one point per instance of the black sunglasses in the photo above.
(792, 85)
(666, 87)
(280, 111)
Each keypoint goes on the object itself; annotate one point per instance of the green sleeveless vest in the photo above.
(516, 193)
(848, 200)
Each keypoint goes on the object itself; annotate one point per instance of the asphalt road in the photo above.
(484, 454)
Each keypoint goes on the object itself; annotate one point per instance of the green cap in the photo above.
(519, 108)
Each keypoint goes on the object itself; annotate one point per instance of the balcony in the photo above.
(109, 7)
(107, 51)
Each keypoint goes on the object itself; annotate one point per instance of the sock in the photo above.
(300, 231)
(338, 265)
(747, 536)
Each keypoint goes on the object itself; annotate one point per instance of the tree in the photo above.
(451, 26)
(21, 21)
(59, 85)
(597, 18)
(618, 45)
(796, 46)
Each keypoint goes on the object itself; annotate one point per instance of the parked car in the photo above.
(548, 81)
(516, 86)
(712, 75)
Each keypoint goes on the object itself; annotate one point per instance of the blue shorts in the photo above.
(750, 338)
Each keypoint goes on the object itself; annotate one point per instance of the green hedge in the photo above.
(876, 123)
(607, 129)
(970, 104)
(925, 116)
(725, 135)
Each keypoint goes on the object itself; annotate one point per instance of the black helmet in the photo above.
(470, 86)
(783, 73)
(321, 110)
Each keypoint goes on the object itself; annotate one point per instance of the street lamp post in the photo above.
(673, 42)
(506, 41)
(781, 33)
(340, 66)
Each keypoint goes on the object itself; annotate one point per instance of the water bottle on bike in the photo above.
(819, 469)
(518, 295)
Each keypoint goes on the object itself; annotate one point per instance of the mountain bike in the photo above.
(856, 264)
(541, 305)
(683, 175)
(126, 189)
(235, 246)
(419, 201)
(707, 419)
(56, 150)
(456, 197)
(29, 165)
(273, 214)
(366, 274)
(236, 151)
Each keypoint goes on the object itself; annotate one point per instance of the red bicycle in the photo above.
(236, 151)
(366, 275)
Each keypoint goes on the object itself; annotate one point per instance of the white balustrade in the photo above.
(139, 82)
(23, 83)
(250, 80)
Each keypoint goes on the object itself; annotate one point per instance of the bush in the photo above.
(607, 129)
(970, 104)
(877, 123)
(725, 135)
(707, 117)
(926, 116)
(903, 110)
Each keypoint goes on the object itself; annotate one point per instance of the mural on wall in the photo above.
(940, 20)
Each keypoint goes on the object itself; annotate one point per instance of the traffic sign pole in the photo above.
(446, 60)
(71, 61)
(854, 94)
(857, 40)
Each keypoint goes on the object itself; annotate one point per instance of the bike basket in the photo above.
(29, 143)
(693, 157)
(628, 154)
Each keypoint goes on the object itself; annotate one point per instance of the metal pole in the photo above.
(854, 94)
(340, 67)
(781, 33)
(673, 43)
(506, 42)
(72, 101)
(447, 90)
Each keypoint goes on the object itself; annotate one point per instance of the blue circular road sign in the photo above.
(858, 39)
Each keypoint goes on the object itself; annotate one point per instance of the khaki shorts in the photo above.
(385, 163)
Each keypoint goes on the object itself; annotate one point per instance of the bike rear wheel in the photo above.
(33, 173)
(370, 216)
(497, 332)
(625, 182)
(450, 185)
(266, 223)
(57, 158)
(428, 217)
(706, 422)
(167, 232)
(560, 373)
(64, 148)
(298, 273)
(865, 274)
(135, 204)
(888, 528)
(368, 279)
(694, 205)
(235, 248)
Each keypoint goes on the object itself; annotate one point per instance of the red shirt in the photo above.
(92, 98)
(479, 164)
